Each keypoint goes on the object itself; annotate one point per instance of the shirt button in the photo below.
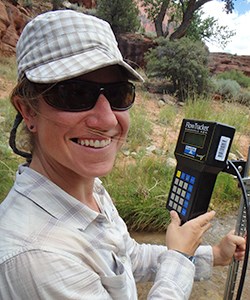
(123, 259)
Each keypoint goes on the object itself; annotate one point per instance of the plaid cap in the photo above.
(63, 44)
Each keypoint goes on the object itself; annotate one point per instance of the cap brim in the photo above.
(79, 64)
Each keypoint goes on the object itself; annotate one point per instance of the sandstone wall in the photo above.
(221, 62)
(12, 21)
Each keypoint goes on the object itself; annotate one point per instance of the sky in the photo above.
(238, 21)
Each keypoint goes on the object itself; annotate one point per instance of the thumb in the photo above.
(175, 218)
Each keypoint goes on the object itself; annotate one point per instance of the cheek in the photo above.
(51, 117)
(124, 121)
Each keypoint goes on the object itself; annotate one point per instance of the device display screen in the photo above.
(194, 139)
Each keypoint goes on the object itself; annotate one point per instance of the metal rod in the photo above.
(240, 229)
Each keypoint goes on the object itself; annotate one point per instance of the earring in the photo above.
(31, 127)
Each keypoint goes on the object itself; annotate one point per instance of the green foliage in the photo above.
(226, 190)
(185, 19)
(232, 114)
(198, 108)
(183, 62)
(122, 15)
(152, 8)
(167, 115)
(8, 161)
(8, 68)
(140, 129)
(244, 97)
(56, 4)
(142, 193)
(208, 29)
(233, 86)
(28, 4)
(229, 89)
(236, 75)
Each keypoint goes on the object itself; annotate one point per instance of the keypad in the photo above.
(181, 192)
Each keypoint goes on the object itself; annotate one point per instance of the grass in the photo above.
(139, 120)
(8, 161)
(141, 196)
(8, 68)
(140, 181)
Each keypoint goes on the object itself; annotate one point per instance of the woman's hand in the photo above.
(230, 246)
(187, 238)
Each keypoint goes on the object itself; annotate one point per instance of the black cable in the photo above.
(12, 139)
(245, 262)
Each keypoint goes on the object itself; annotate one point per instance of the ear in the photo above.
(28, 114)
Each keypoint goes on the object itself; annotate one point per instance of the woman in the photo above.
(62, 237)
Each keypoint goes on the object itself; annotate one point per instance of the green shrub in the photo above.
(244, 97)
(238, 76)
(227, 88)
(183, 62)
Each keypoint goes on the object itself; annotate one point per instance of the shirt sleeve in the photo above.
(203, 262)
(174, 277)
(173, 274)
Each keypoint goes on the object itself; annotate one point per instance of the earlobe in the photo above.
(26, 111)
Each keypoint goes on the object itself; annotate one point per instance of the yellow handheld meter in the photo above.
(201, 152)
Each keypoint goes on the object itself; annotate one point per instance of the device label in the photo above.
(189, 150)
(197, 127)
(222, 148)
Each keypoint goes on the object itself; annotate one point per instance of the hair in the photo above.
(28, 93)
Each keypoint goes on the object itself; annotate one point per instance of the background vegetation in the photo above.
(140, 181)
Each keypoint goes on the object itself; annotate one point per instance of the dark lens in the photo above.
(72, 96)
(79, 95)
(120, 95)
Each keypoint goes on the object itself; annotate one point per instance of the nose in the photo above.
(101, 115)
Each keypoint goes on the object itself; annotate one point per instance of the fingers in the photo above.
(175, 218)
(205, 219)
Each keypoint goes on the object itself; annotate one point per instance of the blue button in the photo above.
(184, 211)
(190, 188)
(188, 196)
(183, 175)
(185, 204)
(187, 177)
(192, 179)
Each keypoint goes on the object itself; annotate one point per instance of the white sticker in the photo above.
(222, 148)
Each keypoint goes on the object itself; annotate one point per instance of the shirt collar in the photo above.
(52, 199)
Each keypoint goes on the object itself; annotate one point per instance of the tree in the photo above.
(157, 9)
(183, 62)
(122, 15)
(208, 29)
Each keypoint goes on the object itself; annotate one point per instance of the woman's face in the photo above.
(83, 143)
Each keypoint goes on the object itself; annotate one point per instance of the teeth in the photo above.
(94, 143)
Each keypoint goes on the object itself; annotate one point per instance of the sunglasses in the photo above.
(78, 95)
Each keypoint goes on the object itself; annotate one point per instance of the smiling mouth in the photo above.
(92, 143)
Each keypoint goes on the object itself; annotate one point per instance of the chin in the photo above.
(99, 170)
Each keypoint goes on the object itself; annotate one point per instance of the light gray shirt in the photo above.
(54, 247)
